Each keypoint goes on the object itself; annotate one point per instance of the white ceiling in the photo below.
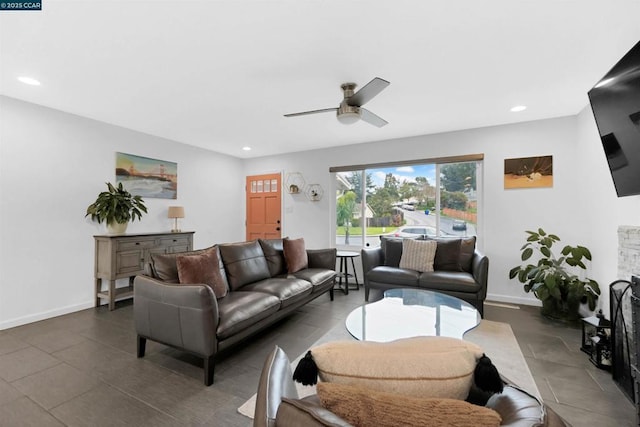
(221, 74)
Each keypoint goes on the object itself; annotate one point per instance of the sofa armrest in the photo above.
(182, 316)
(275, 383)
(480, 269)
(371, 257)
(322, 258)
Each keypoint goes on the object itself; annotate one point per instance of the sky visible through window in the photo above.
(404, 173)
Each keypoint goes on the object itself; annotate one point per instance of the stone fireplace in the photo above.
(620, 300)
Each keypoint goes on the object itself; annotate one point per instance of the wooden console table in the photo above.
(120, 256)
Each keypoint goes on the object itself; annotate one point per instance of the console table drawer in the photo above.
(176, 242)
(176, 249)
(127, 245)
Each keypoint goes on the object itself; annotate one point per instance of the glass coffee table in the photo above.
(404, 313)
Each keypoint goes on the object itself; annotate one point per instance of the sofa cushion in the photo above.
(317, 276)
(244, 262)
(287, 290)
(457, 281)
(295, 254)
(393, 276)
(364, 407)
(202, 268)
(418, 366)
(447, 255)
(467, 249)
(274, 253)
(418, 254)
(392, 250)
(239, 310)
(165, 267)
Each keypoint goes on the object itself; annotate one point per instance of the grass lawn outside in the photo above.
(371, 231)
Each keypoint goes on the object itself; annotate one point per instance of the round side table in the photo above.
(344, 257)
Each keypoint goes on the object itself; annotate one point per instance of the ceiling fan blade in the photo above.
(371, 118)
(304, 113)
(367, 92)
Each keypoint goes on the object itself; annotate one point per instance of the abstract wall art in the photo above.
(528, 172)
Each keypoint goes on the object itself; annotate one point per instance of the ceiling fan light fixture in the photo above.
(349, 117)
(348, 114)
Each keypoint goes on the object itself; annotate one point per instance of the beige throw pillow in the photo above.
(418, 254)
(363, 407)
(417, 366)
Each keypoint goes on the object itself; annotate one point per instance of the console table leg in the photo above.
(112, 295)
(98, 285)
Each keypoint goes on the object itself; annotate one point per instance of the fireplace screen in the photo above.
(623, 350)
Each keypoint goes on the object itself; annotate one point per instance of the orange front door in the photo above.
(264, 206)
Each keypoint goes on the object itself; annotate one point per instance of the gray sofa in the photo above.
(277, 402)
(260, 292)
(460, 270)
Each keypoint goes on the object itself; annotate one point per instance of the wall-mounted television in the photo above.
(615, 101)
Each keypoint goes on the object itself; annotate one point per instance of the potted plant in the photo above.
(552, 280)
(116, 207)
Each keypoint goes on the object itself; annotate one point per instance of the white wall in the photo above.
(52, 166)
(581, 208)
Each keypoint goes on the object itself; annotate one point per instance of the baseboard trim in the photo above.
(12, 323)
(502, 304)
(514, 300)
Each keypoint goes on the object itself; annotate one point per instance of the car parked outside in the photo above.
(412, 231)
(408, 207)
(458, 224)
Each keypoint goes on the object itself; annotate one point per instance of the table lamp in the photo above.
(176, 212)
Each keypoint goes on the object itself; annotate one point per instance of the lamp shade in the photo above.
(176, 212)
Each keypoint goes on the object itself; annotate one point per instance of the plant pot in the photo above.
(117, 227)
(566, 310)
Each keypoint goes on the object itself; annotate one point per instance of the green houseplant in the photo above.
(552, 280)
(116, 207)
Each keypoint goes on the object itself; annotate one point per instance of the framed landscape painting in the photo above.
(146, 177)
(528, 172)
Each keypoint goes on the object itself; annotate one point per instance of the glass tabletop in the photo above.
(404, 313)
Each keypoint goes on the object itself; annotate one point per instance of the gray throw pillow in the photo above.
(447, 255)
(392, 250)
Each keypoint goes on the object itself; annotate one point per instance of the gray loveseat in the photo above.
(460, 270)
(260, 292)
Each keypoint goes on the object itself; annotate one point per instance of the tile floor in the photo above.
(81, 370)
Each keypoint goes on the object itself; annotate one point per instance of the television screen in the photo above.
(615, 101)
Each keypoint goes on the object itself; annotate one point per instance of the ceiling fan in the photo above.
(350, 109)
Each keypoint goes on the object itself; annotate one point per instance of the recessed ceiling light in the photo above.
(246, 148)
(29, 81)
(518, 108)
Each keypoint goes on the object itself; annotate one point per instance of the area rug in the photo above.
(495, 338)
